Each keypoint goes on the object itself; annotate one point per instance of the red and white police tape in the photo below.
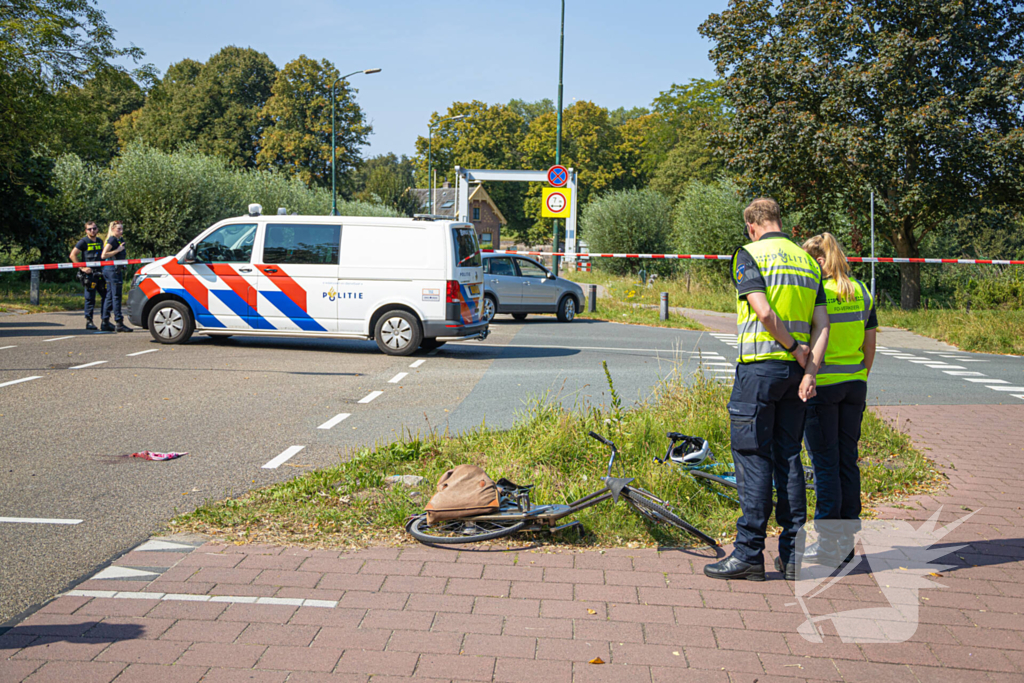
(91, 264)
(695, 257)
(724, 257)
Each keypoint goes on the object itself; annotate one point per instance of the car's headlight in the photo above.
(140, 277)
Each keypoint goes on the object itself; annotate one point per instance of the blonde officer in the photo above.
(832, 429)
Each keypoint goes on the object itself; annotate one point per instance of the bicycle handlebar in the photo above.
(606, 442)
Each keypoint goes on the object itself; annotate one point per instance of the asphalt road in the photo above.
(242, 409)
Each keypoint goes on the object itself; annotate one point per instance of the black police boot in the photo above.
(826, 551)
(106, 326)
(121, 327)
(789, 573)
(90, 326)
(734, 568)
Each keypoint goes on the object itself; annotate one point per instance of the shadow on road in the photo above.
(85, 632)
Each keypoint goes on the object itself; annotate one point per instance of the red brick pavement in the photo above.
(417, 613)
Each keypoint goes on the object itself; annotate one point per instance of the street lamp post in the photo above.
(334, 139)
(430, 161)
(558, 128)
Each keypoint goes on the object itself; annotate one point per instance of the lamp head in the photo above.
(371, 71)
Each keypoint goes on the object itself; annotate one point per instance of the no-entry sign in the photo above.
(556, 202)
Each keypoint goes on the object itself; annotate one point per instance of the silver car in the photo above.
(518, 285)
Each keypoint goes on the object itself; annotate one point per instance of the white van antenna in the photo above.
(255, 209)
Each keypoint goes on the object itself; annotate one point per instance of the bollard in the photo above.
(33, 288)
(592, 299)
(664, 305)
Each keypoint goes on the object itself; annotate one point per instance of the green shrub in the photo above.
(630, 221)
(709, 220)
(1004, 291)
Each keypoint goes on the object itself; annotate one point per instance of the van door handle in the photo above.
(245, 270)
(270, 270)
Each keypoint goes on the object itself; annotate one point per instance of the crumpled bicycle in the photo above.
(517, 513)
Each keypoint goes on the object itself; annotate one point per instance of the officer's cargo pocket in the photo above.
(743, 426)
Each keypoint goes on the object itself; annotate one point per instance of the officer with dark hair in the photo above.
(89, 248)
(782, 335)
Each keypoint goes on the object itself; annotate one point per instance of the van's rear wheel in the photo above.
(170, 322)
(398, 333)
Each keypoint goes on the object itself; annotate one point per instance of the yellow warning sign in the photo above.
(556, 202)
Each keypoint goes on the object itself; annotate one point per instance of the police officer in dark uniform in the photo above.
(782, 335)
(115, 248)
(89, 248)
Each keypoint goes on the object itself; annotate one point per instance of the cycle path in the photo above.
(180, 609)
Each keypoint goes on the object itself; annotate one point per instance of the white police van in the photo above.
(406, 283)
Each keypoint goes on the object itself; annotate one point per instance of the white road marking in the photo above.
(956, 373)
(8, 347)
(163, 545)
(1007, 388)
(586, 348)
(984, 380)
(418, 363)
(115, 572)
(920, 360)
(944, 366)
(59, 338)
(334, 420)
(87, 365)
(949, 355)
(1017, 395)
(285, 456)
(717, 365)
(19, 381)
(398, 378)
(139, 353)
(38, 520)
(370, 396)
(972, 360)
(186, 597)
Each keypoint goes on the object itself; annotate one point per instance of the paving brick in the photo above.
(79, 672)
(611, 631)
(65, 604)
(373, 554)
(708, 617)
(668, 634)
(352, 638)
(669, 596)
(224, 675)
(831, 647)
(10, 644)
(740, 601)
(120, 628)
(54, 625)
(179, 609)
(222, 655)
(500, 646)
(537, 627)
(287, 658)
(262, 614)
(114, 607)
(421, 553)
(507, 607)
(318, 616)
(642, 613)
(188, 587)
(538, 558)
(14, 672)
(631, 578)
(366, 599)
(487, 557)
(576, 576)
(467, 623)
(453, 570)
(211, 560)
(964, 657)
(899, 653)
(988, 637)
(723, 660)
(662, 674)
(161, 673)
(584, 672)
(460, 667)
(391, 567)
(279, 562)
(872, 672)
(352, 582)
(278, 634)
(426, 641)
(326, 565)
(531, 589)
(246, 590)
(752, 641)
(494, 589)
(513, 573)
(573, 609)
(308, 593)
(52, 648)
(190, 630)
(598, 560)
(604, 593)
(397, 619)
(573, 650)
(440, 603)
(318, 677)
(414, 584)
(526, 670)
(226, 575)
(371, 662)
(799, 667)
(277, 577)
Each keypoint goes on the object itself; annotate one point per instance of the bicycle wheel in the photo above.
(657, 510)
(729, 481)
(461, 530)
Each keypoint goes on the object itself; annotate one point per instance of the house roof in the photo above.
(444, 200)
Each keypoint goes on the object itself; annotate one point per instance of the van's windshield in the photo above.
(467, 253)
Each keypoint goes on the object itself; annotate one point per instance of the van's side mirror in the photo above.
(190, 255)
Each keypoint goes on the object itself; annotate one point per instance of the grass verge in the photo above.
(998, 331)
(704, 293)
(51, 298)
(618, 312)
(349, 505)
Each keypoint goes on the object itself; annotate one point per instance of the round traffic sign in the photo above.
(558, 176)
(556, 202)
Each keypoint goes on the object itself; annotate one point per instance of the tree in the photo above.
(528, 111)
(89, 113)
(385, 179)
(632, 221)
(918, 100)
(298, 138)
(218, 106)
(709, 219)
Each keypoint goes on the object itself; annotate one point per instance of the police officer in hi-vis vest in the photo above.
(89, 248)
(834, 414)
(782, 335)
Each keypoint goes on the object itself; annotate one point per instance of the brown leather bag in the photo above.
(463, 492)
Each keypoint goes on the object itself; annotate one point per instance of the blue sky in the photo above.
(435, 53)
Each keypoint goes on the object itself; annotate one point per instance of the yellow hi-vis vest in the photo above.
(844, 359)
(791, 279)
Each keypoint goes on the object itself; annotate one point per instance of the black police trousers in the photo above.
(766, 428)
(831, 435)
(97, 286)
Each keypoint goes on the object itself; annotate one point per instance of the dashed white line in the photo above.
(334, 420)
(984, 380)
(1017, 395)
(285, 456)
(59, 338)
(418, 363)
(19, 381)
(38, 520)
(370, 396)
(8, 347)
(944, 366)
(186, 597)
(1007, 388)
(958, 373)
(87, 365)
(139, 353)
(717, 365)
(398, 378)
(972, 360)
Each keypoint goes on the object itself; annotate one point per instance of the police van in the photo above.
(406, 283)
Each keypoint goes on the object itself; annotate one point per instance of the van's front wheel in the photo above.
(170, 322)
(398, 333)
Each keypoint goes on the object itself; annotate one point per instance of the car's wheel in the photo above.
(432, 343)
(490, 308)
(519, 316)
(566, 309)
(170, 322)
(398, 333)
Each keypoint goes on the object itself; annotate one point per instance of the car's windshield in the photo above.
(467, 253)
